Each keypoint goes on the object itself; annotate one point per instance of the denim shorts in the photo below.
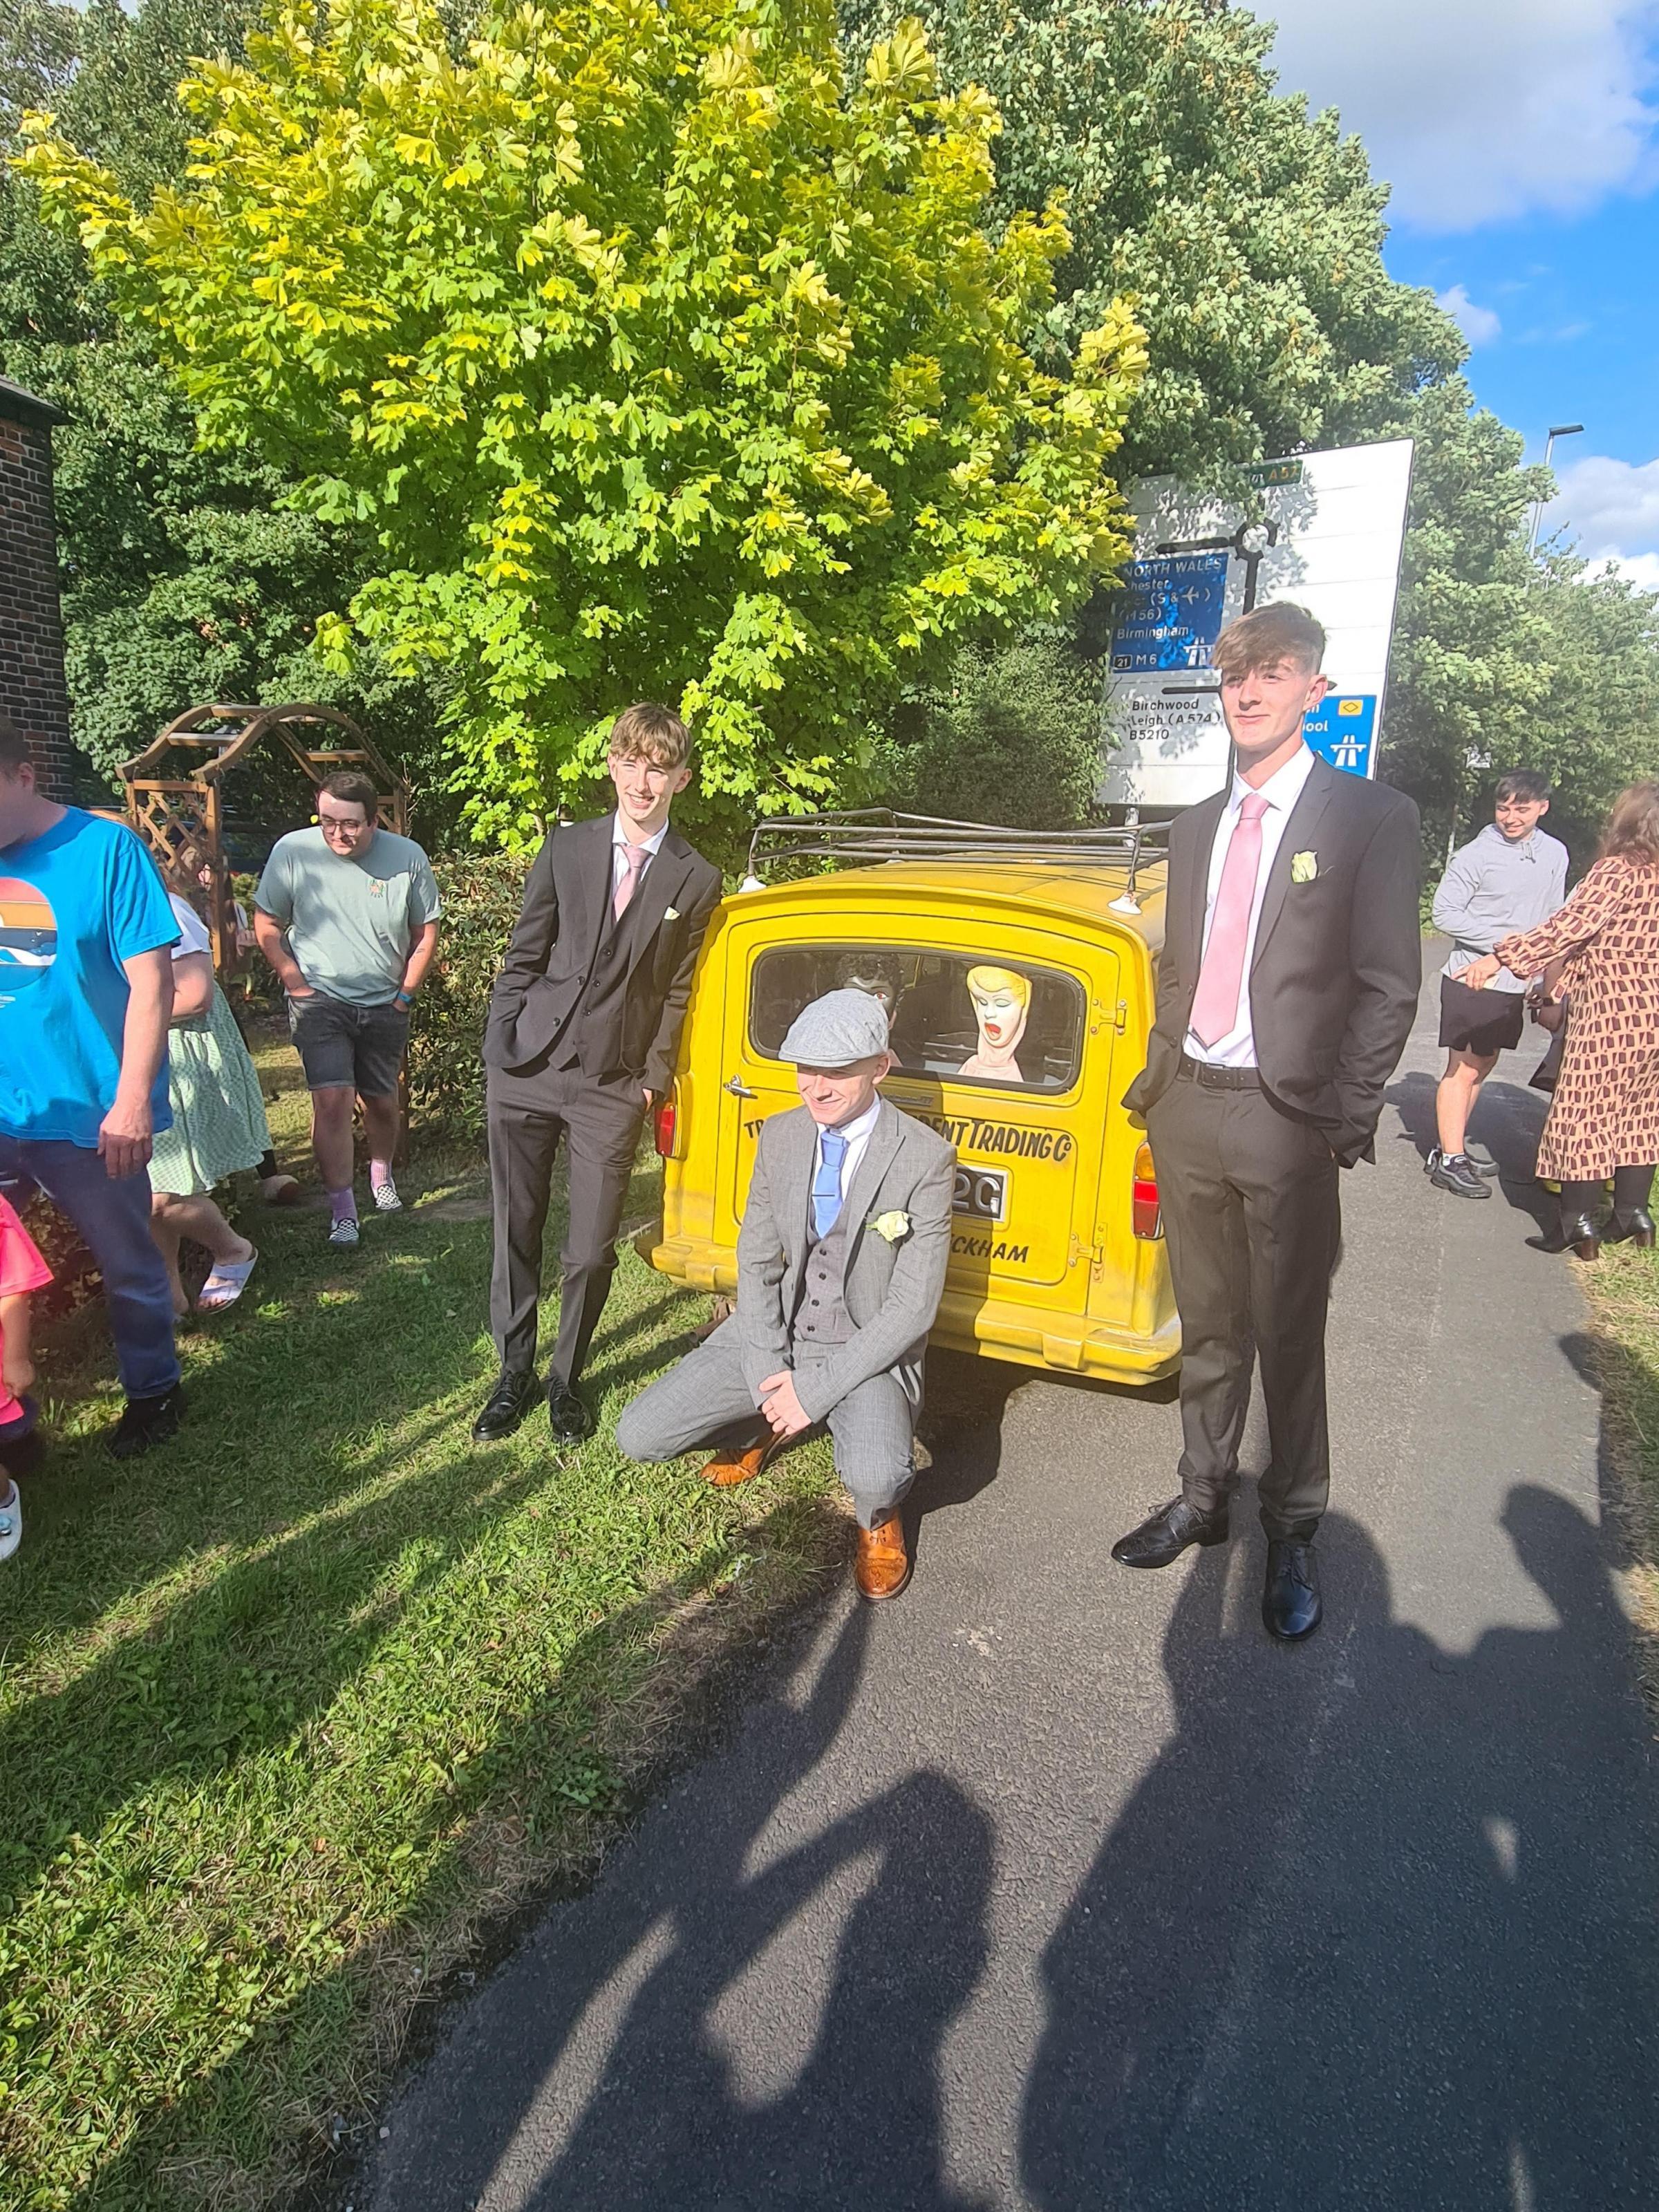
(344, 1047)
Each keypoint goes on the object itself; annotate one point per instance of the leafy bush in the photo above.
(1015, 737)
(649, 354)
(481, 898)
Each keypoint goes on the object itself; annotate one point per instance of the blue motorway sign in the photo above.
(1171, 609)
(1342, 729)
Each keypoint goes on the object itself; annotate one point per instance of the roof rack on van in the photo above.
(871, 834)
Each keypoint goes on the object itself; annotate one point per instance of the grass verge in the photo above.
(1623, 1292)
(294, 1711)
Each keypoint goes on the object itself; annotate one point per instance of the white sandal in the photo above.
(226, 1284)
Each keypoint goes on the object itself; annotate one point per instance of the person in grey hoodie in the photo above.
(1511, 876)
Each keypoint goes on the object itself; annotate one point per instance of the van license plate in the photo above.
(981, 1194)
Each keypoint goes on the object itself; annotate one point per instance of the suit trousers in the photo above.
(705, 1402)
(1252, 1215)
(600, 1123)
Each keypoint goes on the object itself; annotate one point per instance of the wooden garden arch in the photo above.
(174, 788)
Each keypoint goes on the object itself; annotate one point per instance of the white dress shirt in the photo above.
(858, 1134)
(619, 841)
(1281, 791)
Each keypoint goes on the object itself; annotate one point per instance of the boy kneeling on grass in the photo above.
(22, 1271)
(841, 1266)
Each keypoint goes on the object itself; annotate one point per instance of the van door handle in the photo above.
(740, 1089)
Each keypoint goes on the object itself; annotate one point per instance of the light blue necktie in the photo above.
(826, 1183)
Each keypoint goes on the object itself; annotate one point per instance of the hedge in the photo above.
(481, 894)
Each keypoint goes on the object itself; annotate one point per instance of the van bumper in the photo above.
(995, 1328)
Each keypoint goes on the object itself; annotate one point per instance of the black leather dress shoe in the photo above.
(1290, 1603)
(1165, 1534)
(567, 1416)
(1578, 1235)
(1635, 1227)
(507, 1404)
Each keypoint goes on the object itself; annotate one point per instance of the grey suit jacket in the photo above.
(893, 1289)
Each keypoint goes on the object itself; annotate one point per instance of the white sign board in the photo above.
(1329, 539)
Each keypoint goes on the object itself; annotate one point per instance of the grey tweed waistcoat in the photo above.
(821, 1317)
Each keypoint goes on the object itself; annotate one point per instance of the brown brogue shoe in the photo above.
(883, 1565)
(727, 1469)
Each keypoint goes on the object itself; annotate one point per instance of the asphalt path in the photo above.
(1055, 1886)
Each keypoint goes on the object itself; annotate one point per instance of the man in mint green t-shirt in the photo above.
(347, 914)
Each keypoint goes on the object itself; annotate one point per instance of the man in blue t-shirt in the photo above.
(86, 994)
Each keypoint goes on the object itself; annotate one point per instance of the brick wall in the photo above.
(32, 692)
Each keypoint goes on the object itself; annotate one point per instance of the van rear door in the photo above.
(1012, 1067)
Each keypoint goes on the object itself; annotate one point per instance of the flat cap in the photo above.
(837, 1030)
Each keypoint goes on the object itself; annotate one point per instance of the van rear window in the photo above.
(967, 1017)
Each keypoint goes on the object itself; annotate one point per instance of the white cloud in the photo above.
(1480, 325)
(1482, 110)
(1611, 509)
(1641, 569)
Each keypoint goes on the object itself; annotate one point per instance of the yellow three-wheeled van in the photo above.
(1017, 974)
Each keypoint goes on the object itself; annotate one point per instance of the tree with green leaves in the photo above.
(1010, 733)
(1248, 234)
(183, 577)
(1595, 726)
(1471, 658)
(653, 357)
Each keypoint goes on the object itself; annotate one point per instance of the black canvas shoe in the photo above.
(146, 1421)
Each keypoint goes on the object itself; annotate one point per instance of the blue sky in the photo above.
(1521, 138)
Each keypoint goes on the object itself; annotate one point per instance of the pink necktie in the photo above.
(1215, 1003)
(635, 858)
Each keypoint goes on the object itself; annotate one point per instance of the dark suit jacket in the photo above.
(567, 905)
(1338, 962)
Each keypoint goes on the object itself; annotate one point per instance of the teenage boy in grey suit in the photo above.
(840, 1267)
(584, 1025)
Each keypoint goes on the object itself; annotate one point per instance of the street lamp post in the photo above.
(1557, 430)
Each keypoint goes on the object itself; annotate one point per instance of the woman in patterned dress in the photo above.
(218, 1123)
(1604, 1118)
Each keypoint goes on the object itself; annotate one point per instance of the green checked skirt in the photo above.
(219, 1123)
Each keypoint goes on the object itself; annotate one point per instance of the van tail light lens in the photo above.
(665, 1127)
(1144, 1207)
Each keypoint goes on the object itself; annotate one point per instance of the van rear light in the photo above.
(1144, 1208)
(665, 1128)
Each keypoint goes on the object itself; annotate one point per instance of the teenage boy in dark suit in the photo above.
(1286, 988)
(584, 1025)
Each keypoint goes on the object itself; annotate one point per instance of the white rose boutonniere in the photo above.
(1304, 866)
(891, 1226)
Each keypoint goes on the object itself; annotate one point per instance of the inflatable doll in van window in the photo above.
(1002, 1006)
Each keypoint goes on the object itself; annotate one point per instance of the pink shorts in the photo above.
(22, 1270)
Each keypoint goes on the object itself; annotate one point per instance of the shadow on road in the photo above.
(1366, 1934)
(1371, 1933)
(1507, 1121)
(666, 1980)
